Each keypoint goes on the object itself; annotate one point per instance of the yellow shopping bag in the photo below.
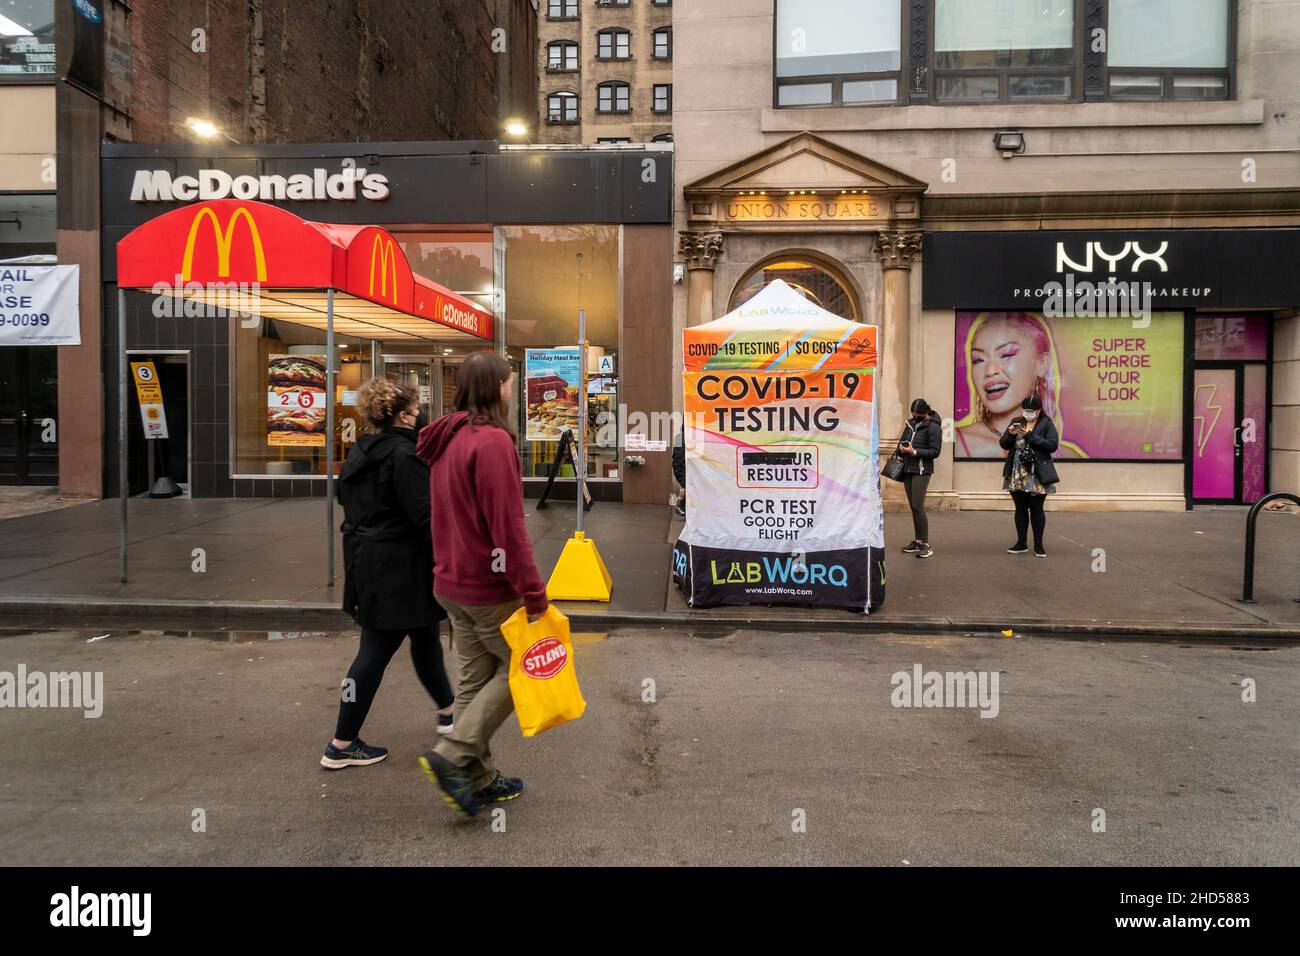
(543, 682)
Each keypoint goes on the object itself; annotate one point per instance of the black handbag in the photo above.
(1045, 471)
(894, 467)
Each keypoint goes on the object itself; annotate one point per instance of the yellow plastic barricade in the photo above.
(543, 682)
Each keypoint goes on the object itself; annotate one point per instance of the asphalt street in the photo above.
(757, 748)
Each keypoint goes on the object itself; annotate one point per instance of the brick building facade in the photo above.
(275, 71)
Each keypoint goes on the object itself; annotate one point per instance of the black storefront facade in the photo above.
(1167, 357)
(529, 235)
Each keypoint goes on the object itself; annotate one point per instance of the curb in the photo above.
(70, 611)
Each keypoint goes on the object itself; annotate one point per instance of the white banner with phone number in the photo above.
(39, 305)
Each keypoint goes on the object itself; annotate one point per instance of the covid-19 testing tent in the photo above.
(783, 493)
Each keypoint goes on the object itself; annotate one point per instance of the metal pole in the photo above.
(121, 434)
(581, 470)
(329, 435)
(374, 359)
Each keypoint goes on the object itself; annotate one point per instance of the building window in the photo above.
(27, 40)
(612, 3)
(837, 52)
(818, 283)
(613, 45)
(663, 47)
(995, 50)
(562, 9)
(1162, 49)
(663, 98)
(562, 108)
(662, 138)
(661, 3)
(561, 56)
(613, 97)
(613, 139)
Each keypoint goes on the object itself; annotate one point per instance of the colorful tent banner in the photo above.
(781, 458)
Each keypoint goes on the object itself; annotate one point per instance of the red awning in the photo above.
(282, 265)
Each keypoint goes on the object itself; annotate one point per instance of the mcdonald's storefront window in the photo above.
(545, 286)
(274, 360)
(460, 261)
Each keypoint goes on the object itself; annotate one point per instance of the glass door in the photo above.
(29, 411)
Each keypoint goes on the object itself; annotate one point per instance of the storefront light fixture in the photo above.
(1009, 142)
(516, 128)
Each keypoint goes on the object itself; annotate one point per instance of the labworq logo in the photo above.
(782, 570)
(224, 238)
(546, 658)
(74, 909)
(383, 253)
(1112, 259)
(158, 185)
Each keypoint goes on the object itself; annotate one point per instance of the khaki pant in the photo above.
(483, 700)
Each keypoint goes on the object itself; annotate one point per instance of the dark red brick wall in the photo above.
(328, 70)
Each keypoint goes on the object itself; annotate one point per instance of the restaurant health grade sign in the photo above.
(783, 495)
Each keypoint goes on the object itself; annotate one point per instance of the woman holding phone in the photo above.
(1028, 473)
(920, 444)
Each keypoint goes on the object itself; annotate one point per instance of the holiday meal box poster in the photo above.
(552, 379)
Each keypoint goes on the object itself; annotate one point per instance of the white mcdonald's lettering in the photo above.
(452, 314)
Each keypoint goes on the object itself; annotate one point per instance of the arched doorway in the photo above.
(814, 279)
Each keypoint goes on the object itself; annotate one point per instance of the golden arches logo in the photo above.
(224, 239)
(384, 252)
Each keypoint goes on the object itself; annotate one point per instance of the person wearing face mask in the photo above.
(388, 567)
(920, 444)
(1028, 472)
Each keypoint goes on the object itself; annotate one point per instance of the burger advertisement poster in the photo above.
(295, 400)
(552, 378)
(1113, 388)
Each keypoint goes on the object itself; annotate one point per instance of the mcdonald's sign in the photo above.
(224, 238)
(384, 253)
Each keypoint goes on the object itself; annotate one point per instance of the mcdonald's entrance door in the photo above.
(150, 458)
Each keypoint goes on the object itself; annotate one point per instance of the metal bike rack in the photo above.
(1248, 575)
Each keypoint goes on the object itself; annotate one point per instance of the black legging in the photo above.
(1029, 510)
(915, 486)
(377, 649)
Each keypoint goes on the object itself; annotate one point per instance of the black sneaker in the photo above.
(1039, 552)
(502, 788)
(925, 552)
(1017, 549)
(452, 781)
(358, 754)
(912, 548)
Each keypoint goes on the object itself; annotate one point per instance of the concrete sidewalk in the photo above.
(1164, 573)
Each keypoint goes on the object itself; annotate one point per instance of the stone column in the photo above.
(700, 250)
(896, 250)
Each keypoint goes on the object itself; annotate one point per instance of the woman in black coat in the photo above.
(920, 444)
(1028, 472)
(388, 561)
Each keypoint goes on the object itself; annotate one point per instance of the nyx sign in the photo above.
(1066, 264)
(1184, 268)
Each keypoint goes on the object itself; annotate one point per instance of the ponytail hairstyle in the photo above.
(921, 408)
(478, 390)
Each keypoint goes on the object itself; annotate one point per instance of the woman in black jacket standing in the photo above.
(388, 561)
(1028, 472)
(920, 444)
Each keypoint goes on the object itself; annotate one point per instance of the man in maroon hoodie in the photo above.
(483, 571)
